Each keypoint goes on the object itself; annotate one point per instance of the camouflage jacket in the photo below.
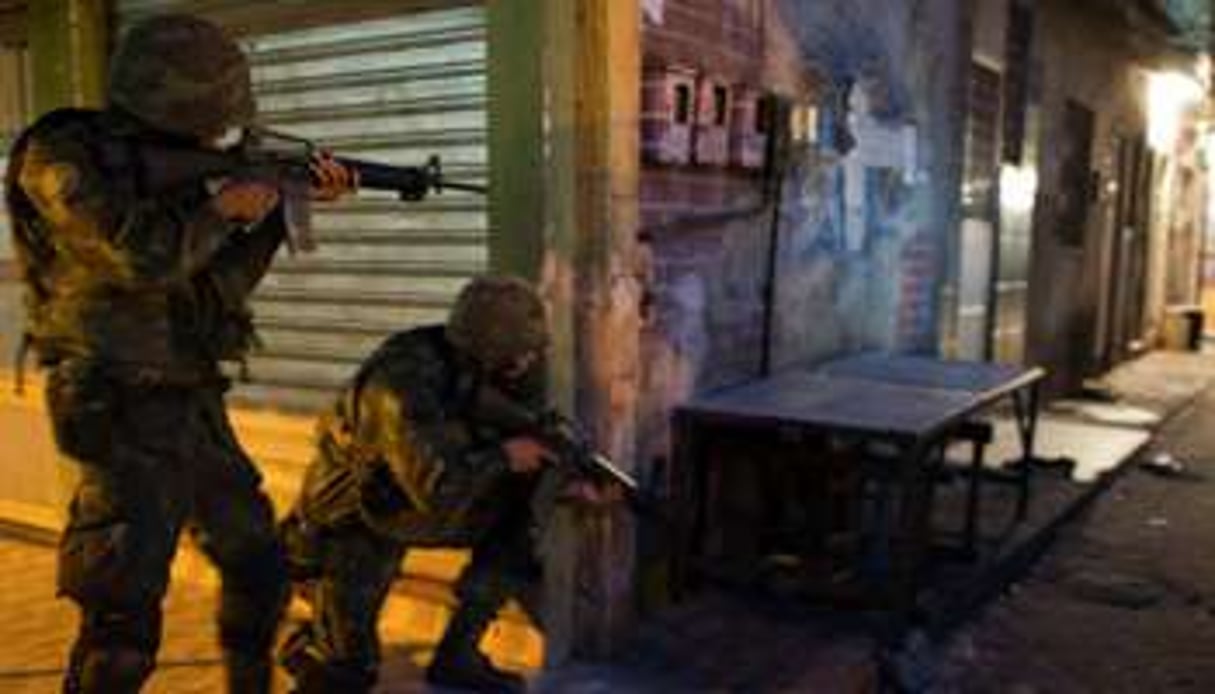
(154, 284)
(398, 449)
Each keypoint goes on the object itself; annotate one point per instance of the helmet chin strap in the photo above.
(528, 386)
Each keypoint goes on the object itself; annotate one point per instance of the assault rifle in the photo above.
(558, 432)
(281, 158)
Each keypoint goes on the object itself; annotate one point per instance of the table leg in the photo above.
(915, 481)
(1025, 405)
(689, 498)
(972, 499)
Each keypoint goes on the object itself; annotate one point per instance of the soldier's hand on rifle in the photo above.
(331, 180)
(245, 202)
(525, 454)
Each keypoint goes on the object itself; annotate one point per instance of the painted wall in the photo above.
(862, 234)
(1070, 279)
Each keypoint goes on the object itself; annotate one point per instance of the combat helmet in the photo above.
(182, 75)
(497, 318)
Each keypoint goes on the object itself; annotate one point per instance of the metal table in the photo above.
(911, 403)
(985, 382)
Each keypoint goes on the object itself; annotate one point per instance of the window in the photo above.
(720, 102)
(683, 103)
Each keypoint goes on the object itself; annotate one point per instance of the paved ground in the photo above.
(1125, 604)
(35, 629)
(1125, 601)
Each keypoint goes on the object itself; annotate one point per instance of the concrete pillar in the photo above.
(564, 90)
(607, 34)
(564, 167)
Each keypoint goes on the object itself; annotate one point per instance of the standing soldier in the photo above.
(132, 301)
(403, 461)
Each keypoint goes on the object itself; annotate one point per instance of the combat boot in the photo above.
(458, 662)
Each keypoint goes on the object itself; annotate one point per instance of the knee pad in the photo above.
(105, 629)
(101, 565)
(108, 670)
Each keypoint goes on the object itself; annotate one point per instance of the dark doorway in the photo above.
(1128, 239)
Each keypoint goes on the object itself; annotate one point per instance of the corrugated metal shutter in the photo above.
(13, 115)
(395, 90)
(14, 112)
(12, 21)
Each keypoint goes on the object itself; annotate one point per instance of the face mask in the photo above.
(529, 387)
(230, 138)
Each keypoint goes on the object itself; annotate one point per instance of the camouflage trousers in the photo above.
(155, 460)
(354, 567)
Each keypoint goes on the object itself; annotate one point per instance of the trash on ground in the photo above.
(1164, 464)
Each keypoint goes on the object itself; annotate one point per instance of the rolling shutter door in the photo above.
(397, 90)
(12, 118)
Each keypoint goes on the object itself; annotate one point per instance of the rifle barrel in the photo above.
(410, 181)
(469, 187)
(377, 176)
(609, 468)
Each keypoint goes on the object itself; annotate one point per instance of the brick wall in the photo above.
(705, 227)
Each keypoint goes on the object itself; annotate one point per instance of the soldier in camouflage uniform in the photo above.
(402, 462)
(132, 301)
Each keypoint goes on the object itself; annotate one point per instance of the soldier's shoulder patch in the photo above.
(50, 179)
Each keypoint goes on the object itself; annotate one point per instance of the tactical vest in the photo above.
(152, 334)
(34, 251)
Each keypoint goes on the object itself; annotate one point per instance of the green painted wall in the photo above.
(67, 40)
(516, 138)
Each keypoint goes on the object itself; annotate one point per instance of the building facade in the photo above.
(1085, 191)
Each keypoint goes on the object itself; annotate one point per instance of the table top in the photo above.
(971, 376)
(836, 403)
(872, 394)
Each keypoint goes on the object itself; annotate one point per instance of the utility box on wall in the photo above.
(668, 102)
(749, 128)
(712, 142)
(804, 124)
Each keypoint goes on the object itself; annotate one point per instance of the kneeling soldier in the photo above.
(403, 462)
